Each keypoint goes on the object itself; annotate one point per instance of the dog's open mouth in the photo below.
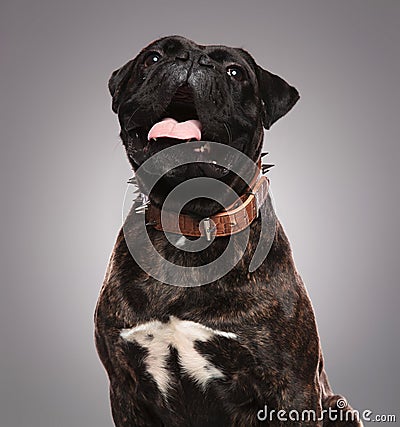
(182, 105)
(179, 123)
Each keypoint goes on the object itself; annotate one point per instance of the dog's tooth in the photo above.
(200, 149)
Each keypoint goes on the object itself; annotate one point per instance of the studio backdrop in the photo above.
(63, 177)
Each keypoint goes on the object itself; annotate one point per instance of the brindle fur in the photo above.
(276, 360)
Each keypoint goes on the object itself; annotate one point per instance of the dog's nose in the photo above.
(206, 61)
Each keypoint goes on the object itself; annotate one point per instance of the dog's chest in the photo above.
(159, 338)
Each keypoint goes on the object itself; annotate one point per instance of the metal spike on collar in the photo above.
(265, 167)
(141, 209)
(132, 180)
(135, 191)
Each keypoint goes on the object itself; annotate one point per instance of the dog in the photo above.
(242, 350)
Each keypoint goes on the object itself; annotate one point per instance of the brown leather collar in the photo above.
(234, 219)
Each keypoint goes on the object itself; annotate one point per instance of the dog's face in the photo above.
(215, 93)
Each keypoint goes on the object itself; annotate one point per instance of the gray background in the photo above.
(63, 174)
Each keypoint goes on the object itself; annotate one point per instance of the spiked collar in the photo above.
(234, 219)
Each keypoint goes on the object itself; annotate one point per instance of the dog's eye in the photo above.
(151, 58)
(236, 72)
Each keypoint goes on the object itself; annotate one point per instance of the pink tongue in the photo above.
(170, 128)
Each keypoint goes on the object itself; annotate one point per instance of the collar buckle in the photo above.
(209, 228)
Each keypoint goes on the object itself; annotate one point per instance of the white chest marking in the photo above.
(157, 338)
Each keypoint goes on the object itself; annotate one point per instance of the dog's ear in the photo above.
(277, 96)
(117, 83)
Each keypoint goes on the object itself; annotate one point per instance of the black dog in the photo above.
(235, 351)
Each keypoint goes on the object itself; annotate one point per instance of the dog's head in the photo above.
(215, 93)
